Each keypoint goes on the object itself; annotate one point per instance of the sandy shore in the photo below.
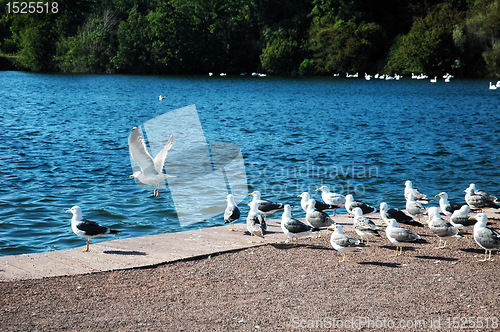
(276, 287)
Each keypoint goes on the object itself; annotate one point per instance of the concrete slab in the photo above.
(142, 251)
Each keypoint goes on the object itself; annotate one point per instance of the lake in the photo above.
(65, 142)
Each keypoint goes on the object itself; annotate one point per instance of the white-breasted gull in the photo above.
(344, 243)
(440, 227)
(294, 228)
(487, 238)
(87, 228)
(232, 213)
(400, 236)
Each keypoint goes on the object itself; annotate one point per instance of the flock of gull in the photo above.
(316, 219)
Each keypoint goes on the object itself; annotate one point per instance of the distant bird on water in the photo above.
(87, 228)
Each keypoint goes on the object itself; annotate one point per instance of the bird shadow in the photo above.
(381, 264)
(473, 250)
(438, 258)
(286, 246)
(126, 252)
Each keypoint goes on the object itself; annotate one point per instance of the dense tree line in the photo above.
(286, 37)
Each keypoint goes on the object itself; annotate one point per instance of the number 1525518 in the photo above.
(32, 7)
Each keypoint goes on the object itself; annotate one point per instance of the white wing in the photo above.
(139, 151)
(159, 160)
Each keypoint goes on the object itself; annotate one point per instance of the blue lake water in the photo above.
(64, 143)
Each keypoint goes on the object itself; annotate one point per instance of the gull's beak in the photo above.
(131, 176)
(299, 196)
(330, 228)
(472, 218)
(250, 194)
(318, 189)
(68, 211)
(436, 195)
(384, 223)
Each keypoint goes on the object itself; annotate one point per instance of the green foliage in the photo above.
(307, 37)
(428, 47)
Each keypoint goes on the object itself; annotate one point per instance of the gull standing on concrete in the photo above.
(440, 227)
(264, 206)
(446, 207)
(334, 199)
(414, 208)
(487, 238)
(483, 193)
(363, 226)
(350, 204)
(387, 213)
(417, 195)
(477, 201)
(460, 219)
(342, 242)
(317, 218)
(232, 213)
(294, 228)
(87, 228)
(151, 172)
(317, 204)
(256, 224)
(399, 236)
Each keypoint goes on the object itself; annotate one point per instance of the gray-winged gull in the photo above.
(414, 209)
(350, 204)
(417, 195)
(232, 213)
(387, 213)
(460, 219)
(487, 238)
(342, 242)
(440, 227)
(317, 204)
(447, 207)
(478, 201)
(264, 206)
(334, 199)
(400, 236)
(151, 172)
(484, 193)
(364, 226)
(256, 224)
(87, 228)
(317, 218)
(294, 228)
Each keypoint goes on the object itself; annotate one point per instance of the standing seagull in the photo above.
(342, 242)
(317, 204)
(151, 172)
(256, 224)
(294, 228)
(363, 226)
(264, 206)
(414, 208)
(232, 213)
(399, 215)
(483, 193)
(350, 204)
(440, 227)
(399, 236)
(477, 201)
(417, 195)
(87, 228)
(334, 199)
(487, 238)
(317, 218)
(446, 207)
(460, 219)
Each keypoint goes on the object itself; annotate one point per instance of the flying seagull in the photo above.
(87, 228)
(151, 172)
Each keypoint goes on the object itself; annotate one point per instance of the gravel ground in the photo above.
(276, 287)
